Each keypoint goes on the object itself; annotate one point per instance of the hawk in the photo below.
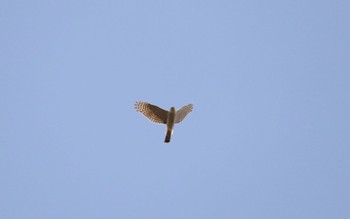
(159, 115)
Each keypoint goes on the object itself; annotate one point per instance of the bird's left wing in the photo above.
(182, 113)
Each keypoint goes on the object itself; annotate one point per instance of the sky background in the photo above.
(269, 136)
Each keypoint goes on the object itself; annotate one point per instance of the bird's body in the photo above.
(158, 115)
(170, 124)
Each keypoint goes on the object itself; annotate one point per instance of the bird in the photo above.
(161, 116)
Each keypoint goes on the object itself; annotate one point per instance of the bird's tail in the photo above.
(168, 136)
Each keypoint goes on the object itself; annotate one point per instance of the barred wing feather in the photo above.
(152, 112)
(182, 113)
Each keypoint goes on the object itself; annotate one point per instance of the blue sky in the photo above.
(268, 137)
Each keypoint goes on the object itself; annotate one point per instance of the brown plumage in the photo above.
(161, 116)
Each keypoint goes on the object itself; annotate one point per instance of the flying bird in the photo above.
(161, 116)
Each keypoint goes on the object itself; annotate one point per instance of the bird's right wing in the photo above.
(182, 113)
(152, 112)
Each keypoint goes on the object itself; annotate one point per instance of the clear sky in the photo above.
(269, 136)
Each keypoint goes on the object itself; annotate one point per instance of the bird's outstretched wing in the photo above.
(182, 113)
(152, 112)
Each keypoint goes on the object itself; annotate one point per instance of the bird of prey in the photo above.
(159, 115)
